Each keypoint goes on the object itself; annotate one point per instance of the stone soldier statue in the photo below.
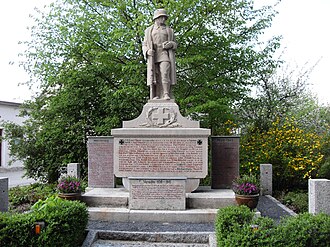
(158, 48)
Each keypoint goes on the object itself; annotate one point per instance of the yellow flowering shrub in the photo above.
(294, 153)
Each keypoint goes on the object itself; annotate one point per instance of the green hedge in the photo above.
(236, 226)
(65, 224)
(304, 230)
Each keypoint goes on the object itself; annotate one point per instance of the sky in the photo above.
(302, 23)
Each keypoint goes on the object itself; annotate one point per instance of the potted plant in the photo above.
(247, 189)
(69, 188)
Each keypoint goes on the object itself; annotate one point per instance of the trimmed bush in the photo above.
(16, 229)
(303, 230)
(65, 224)
(230, 218)
(237, 226)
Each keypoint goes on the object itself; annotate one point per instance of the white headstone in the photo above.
(319, 196)
(266, 179)
(73, 169)
(3, 194)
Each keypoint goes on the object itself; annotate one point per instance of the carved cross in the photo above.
(160, 115)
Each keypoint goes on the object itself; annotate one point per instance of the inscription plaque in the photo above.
(161, 157)
(157, 193)
(225, 161)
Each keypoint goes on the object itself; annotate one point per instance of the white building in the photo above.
(9, 111)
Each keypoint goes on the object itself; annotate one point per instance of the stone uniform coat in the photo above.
(147, 45)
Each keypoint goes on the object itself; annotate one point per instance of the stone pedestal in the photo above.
(225, 161)
(3, 194)
(163, 145)
(100, 162)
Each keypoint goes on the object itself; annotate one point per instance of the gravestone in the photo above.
(3, 194)
(319, 196)
(225, 161)
(266, 179)
(100, 162)
(73, 169)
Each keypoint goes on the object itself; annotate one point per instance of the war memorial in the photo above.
(160, 156)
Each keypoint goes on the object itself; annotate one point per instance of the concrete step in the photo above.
(118, 243)
(128, 215)
(202, 198)
(106, 197)
(148, 239)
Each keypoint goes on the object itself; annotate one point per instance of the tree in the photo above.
(283, 124)
(88, 59)
(278, 95)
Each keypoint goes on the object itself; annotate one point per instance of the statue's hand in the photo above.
(168, 45)
(150, 52)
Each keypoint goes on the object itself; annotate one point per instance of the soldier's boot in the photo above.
(166, 90)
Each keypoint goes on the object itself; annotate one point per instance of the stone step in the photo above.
(111, 204)
(149, 239)
(202, 198)
(118, 243)
(128, 215)
(106, 197)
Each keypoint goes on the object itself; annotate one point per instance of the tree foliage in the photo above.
(282, 93)
(283, 124)
(87, 57)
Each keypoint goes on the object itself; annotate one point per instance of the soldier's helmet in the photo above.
(159, 13)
